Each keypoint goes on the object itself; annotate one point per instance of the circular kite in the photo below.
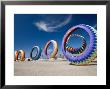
(76, 50)
(85, 53)
(38, 54)
(55, 50)
(22, 56)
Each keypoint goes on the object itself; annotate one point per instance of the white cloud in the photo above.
(42, 25)
(63, 23)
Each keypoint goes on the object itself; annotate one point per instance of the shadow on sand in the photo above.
(90, 64)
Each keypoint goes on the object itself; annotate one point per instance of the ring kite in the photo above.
(88, 53)
(38, 54)
(76, 50)
(22, 57)
(55, 50)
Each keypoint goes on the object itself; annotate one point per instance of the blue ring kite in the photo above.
(90, 53)
(38, 53)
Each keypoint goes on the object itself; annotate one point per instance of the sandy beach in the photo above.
(57, 67)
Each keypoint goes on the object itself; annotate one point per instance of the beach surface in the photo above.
(59, 67)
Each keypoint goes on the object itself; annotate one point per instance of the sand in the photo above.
(53, 68)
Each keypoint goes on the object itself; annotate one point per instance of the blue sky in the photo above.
(37, 29)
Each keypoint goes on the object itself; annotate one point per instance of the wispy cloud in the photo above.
(44, 26)
(66, 21)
